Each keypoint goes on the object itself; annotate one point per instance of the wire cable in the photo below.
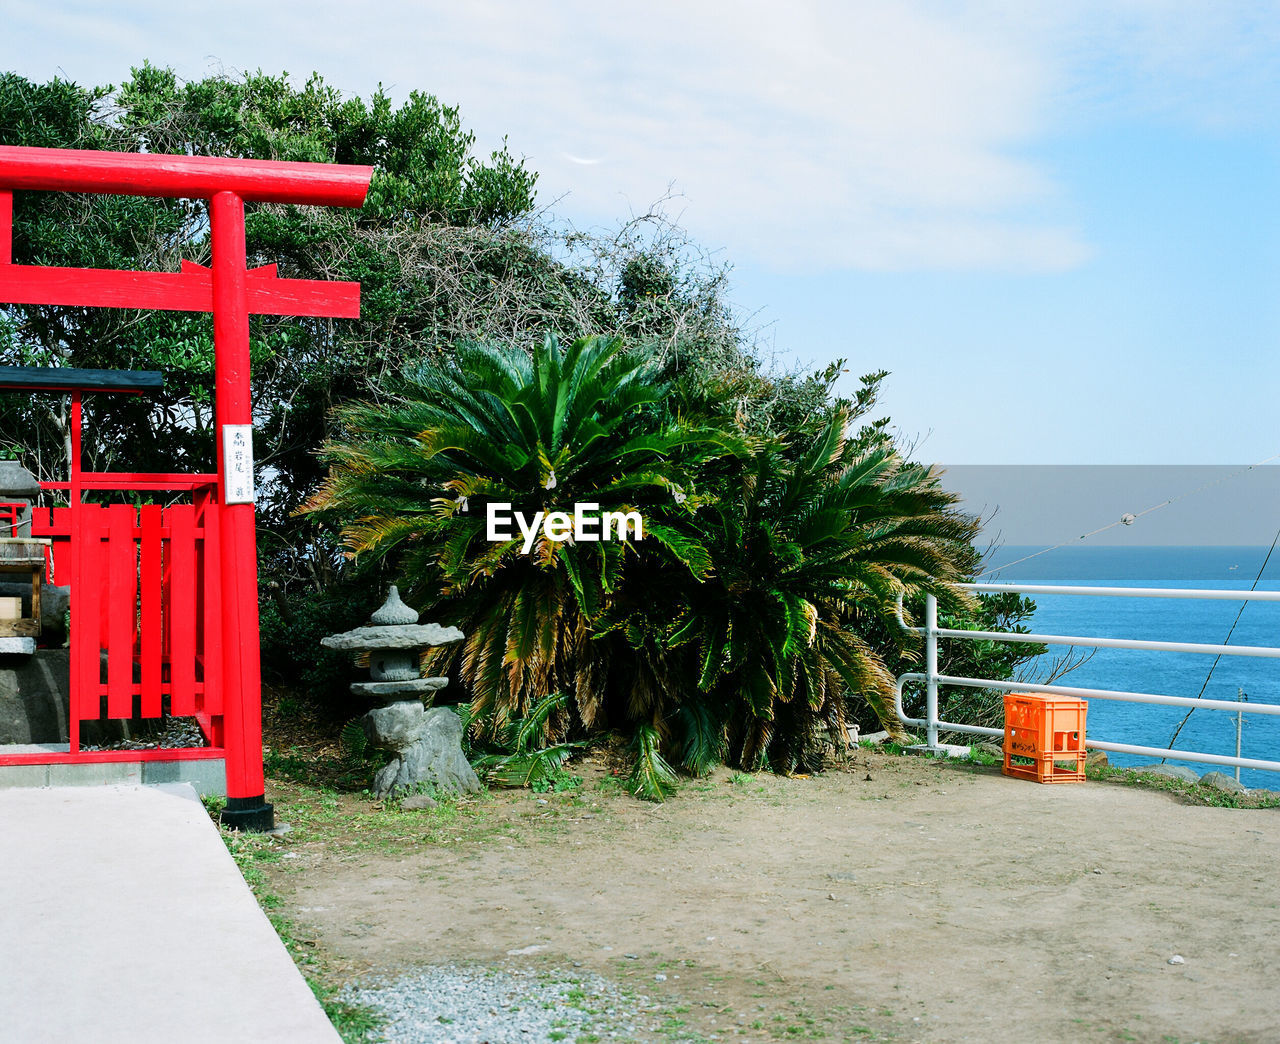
(1213, 666)
(1129, 519)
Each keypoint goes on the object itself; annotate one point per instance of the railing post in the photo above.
(1241, 697)
(931, 669)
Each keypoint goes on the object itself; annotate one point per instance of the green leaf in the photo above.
(651, 779)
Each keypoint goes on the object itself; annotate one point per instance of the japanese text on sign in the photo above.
(237, 463)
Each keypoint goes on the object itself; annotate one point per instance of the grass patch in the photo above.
(985, 758)
(611, 785)
(1192, 793)
(558, 782)
(354, 1022)
(357, 823)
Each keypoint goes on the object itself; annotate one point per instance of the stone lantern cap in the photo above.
(393, 626)
(390, 640)
(393, 636)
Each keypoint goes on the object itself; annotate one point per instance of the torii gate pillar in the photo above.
(241, 665)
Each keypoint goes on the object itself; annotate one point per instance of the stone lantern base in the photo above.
(428, 749)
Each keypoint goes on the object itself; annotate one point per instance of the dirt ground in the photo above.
(897, 898)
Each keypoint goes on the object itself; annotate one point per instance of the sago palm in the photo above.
(808, 556)
(490, 424)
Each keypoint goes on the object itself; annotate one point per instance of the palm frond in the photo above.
(651, 779)
(705, 742)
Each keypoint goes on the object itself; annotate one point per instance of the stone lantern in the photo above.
(427, 743)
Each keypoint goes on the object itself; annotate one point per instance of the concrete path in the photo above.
(123, 918)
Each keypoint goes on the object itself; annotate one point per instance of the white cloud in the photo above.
(805, 135)
(879, 134)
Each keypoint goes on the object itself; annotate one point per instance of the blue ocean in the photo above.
(1171, 674)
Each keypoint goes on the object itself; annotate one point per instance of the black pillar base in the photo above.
(252, 814)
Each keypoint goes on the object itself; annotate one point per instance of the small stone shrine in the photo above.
(427, 743)
(29, 607)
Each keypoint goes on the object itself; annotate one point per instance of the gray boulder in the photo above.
(395, 726)
(1221, 781)
(34, 696)
(418, 803)
(428, 749)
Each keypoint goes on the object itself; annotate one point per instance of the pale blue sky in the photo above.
(1055, 223)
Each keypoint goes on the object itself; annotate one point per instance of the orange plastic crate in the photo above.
(1044, 737)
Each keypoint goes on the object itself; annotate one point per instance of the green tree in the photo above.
(448, 249)
(427, 182)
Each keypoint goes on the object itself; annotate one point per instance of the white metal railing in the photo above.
(933, 680)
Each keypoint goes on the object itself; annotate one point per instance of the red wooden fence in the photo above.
(145, 582)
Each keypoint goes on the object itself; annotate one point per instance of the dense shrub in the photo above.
(730, 632)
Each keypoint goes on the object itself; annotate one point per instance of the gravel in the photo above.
(452, 1005)
(176, 733)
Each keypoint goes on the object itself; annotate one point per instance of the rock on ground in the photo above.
(1221, 781)
(428, 748)
(1173, 771)
(418, 802)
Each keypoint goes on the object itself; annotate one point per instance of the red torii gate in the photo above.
(231, 292)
